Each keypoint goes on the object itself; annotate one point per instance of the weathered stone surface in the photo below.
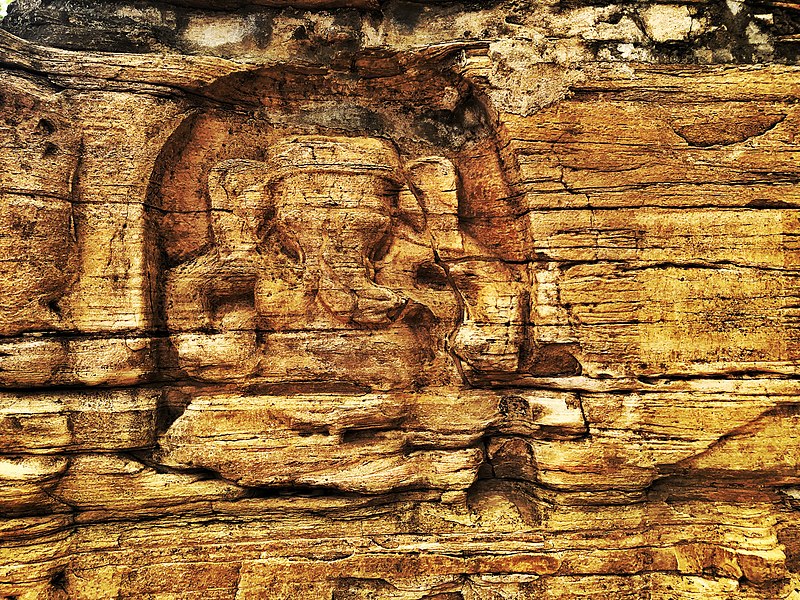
(366, 443)
(57, 421)
(417, 300)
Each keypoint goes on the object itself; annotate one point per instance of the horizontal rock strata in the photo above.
(414, 300)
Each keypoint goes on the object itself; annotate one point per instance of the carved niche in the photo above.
(343, 288)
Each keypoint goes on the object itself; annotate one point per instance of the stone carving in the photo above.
(292, 301)
(334, 239)
(336, 263)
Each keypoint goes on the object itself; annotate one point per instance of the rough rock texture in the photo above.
(417, 300)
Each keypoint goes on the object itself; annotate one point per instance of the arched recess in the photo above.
(419, 103)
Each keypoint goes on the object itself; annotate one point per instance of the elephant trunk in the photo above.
(348, 293)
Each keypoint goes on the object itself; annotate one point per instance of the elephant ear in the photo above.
(492, 330)
(239, 202)
(434, 181)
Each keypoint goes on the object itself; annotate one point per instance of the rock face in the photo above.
(418, 300)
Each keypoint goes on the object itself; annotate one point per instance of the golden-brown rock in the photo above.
(310, 305)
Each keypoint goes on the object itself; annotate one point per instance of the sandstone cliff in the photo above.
(420, 300)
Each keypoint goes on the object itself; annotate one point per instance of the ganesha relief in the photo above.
(334, 261)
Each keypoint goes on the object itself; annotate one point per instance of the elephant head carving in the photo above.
(336, 234)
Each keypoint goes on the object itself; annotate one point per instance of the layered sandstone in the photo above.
(414, 300)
